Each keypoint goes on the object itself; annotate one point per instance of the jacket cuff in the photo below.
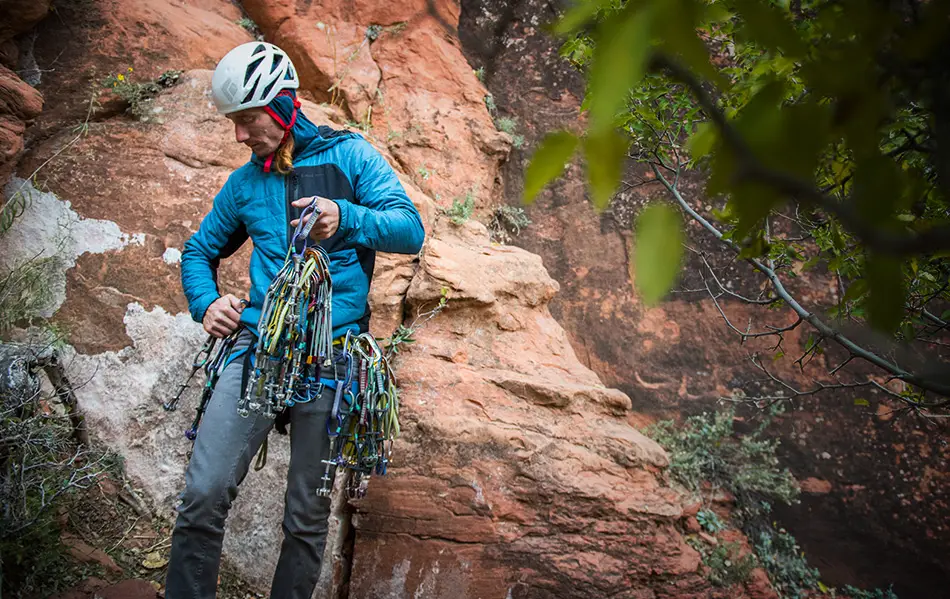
(200, 306)
(346, 217)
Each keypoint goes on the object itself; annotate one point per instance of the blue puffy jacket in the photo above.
(375, 215)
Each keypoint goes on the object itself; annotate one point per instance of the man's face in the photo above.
(257, 130)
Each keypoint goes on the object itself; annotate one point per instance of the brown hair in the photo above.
(284, 158)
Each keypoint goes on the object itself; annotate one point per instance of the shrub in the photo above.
(710, 521)
(139, 95)
(726, 566)
(507, 222)
(705, 448)
(462, 208)
(507, 124)
(40, 470)
(872, 594)
(786, 565)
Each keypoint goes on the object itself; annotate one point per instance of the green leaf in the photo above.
(605, 154)
(856, 290)
(676, 22)
(886, 300)
(715, 13)
(578, 16)
(861, 402)
(548, 162)
(877, 189)
(659, 251)
(701, 142)
(620, 60)
(767, 25)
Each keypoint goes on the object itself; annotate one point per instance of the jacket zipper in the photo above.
(292, 212)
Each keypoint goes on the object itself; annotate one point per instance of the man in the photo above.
(362, 209)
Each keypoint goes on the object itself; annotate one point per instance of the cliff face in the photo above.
(874, 510)
(519, 474)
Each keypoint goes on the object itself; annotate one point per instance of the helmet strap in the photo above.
(288, 126)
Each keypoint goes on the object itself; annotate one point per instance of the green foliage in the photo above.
(480, 74)
(817, 111)
(507, 124)
(40, 470)
(786, 565)
(705, 448)
(659, 251)
(374, 32)
(462, 208)
(510, 126)
(403, 335)
(548, 162)
(726, 565)
(423, 172)
(250, 26)
(138, 95)
(507, 223)
(25, 290)
(710, 521)
(855, 593)
(490, 104)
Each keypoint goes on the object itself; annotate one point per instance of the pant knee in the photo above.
(205, 504)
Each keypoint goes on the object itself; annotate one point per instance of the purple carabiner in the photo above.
(302, 229)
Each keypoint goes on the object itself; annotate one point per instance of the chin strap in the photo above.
(288, 127)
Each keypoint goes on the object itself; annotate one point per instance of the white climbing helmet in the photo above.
(250, 76)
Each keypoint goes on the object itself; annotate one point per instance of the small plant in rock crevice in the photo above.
(490, 104)
(462, 208)
(509, 125)
(403, 335)
(709, 521)
(139, 95)
(251, 27)
(506, 223)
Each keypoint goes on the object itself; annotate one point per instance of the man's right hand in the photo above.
(223, 316)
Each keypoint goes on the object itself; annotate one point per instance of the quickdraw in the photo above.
(296, 337)
(213, 368)
(364, 419)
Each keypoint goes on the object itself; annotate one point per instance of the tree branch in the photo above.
(823, 328)
(751, 169)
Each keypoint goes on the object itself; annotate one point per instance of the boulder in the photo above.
(19, 104)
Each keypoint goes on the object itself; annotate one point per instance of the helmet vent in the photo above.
(251, 68)
(269, 87)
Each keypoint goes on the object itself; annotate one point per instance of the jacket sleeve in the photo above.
(384, 218)
(203, 250)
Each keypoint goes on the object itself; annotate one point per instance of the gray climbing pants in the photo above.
(223, 451)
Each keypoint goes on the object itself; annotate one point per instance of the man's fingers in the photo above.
(228, 318)
(304, 202)
(236, 303)
(294, 222)
(216, 331)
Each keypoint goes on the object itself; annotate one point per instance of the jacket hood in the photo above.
(309, 139)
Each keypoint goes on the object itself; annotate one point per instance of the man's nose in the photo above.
(240, 134)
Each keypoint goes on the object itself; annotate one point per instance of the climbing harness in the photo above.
(364, 419)
(296, 335)
(213, 368)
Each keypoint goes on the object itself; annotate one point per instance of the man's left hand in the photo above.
(328, 221)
